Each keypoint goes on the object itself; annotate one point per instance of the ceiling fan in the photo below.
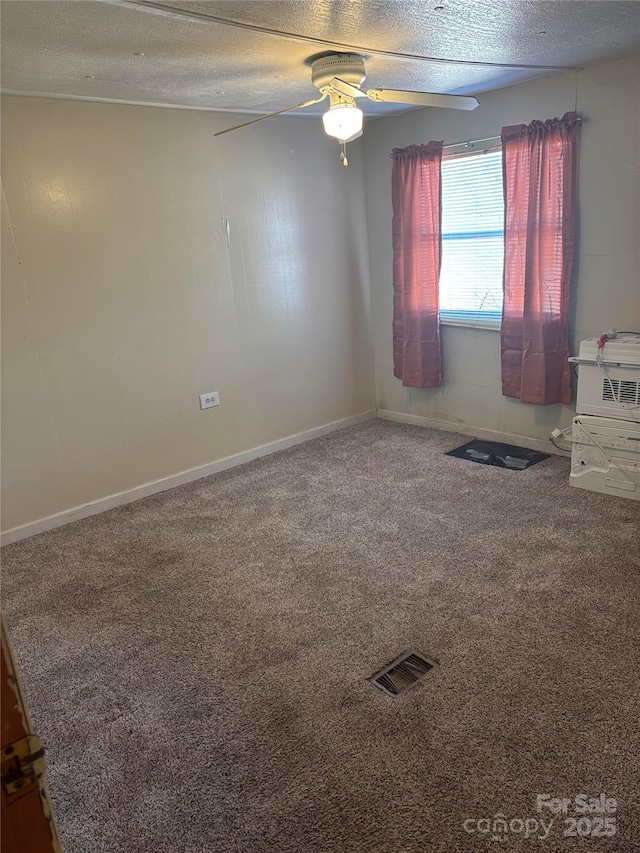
(338, 76)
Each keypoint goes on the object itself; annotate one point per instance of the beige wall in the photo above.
(607, 281)
(124, 298)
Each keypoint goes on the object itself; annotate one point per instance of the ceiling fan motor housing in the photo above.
(347, 66)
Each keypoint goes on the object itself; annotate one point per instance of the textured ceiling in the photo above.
(88, 49)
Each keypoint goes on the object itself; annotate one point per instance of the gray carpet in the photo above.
(196, 662)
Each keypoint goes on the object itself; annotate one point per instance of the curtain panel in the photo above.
(539, 175)
(416, 195)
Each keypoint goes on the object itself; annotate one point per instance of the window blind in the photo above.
(472, 238)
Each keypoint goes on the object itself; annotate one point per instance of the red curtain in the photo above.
(539, 172)
(415, 187)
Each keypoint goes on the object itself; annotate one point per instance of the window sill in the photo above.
(468, 324)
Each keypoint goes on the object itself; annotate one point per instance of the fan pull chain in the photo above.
(343, 155)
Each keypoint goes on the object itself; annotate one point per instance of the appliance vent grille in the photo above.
(622, 390)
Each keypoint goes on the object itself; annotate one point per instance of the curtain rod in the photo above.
(578, 121)
(471, 141)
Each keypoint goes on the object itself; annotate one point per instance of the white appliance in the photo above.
(610, 387)
(605, 434)
(605, 456)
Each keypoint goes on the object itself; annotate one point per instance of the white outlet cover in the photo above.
(207, 401)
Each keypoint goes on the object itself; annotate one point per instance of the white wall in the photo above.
(123, 299)
(607, 277)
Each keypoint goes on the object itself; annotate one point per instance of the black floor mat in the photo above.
(500, 455)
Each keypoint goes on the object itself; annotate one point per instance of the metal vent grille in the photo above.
(621, 390)
(403, 673)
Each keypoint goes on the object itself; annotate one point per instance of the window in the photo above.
(472, 239)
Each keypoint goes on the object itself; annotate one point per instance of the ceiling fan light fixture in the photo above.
(343, 121)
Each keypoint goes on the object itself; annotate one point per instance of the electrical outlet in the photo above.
(209, 400)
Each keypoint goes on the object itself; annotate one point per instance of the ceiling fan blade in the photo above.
(422, 99)
(347, 89)
(269, 115)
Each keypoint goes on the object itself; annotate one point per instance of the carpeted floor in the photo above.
(196, 662)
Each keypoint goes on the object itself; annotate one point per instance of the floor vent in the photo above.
(498, 454)
(403, 674)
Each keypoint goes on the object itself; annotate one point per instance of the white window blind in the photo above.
(472, 239)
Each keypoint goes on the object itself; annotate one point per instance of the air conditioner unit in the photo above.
(610, 386)
(605, 456)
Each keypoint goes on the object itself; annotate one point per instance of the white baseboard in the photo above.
(465, 429)
(15, 534)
